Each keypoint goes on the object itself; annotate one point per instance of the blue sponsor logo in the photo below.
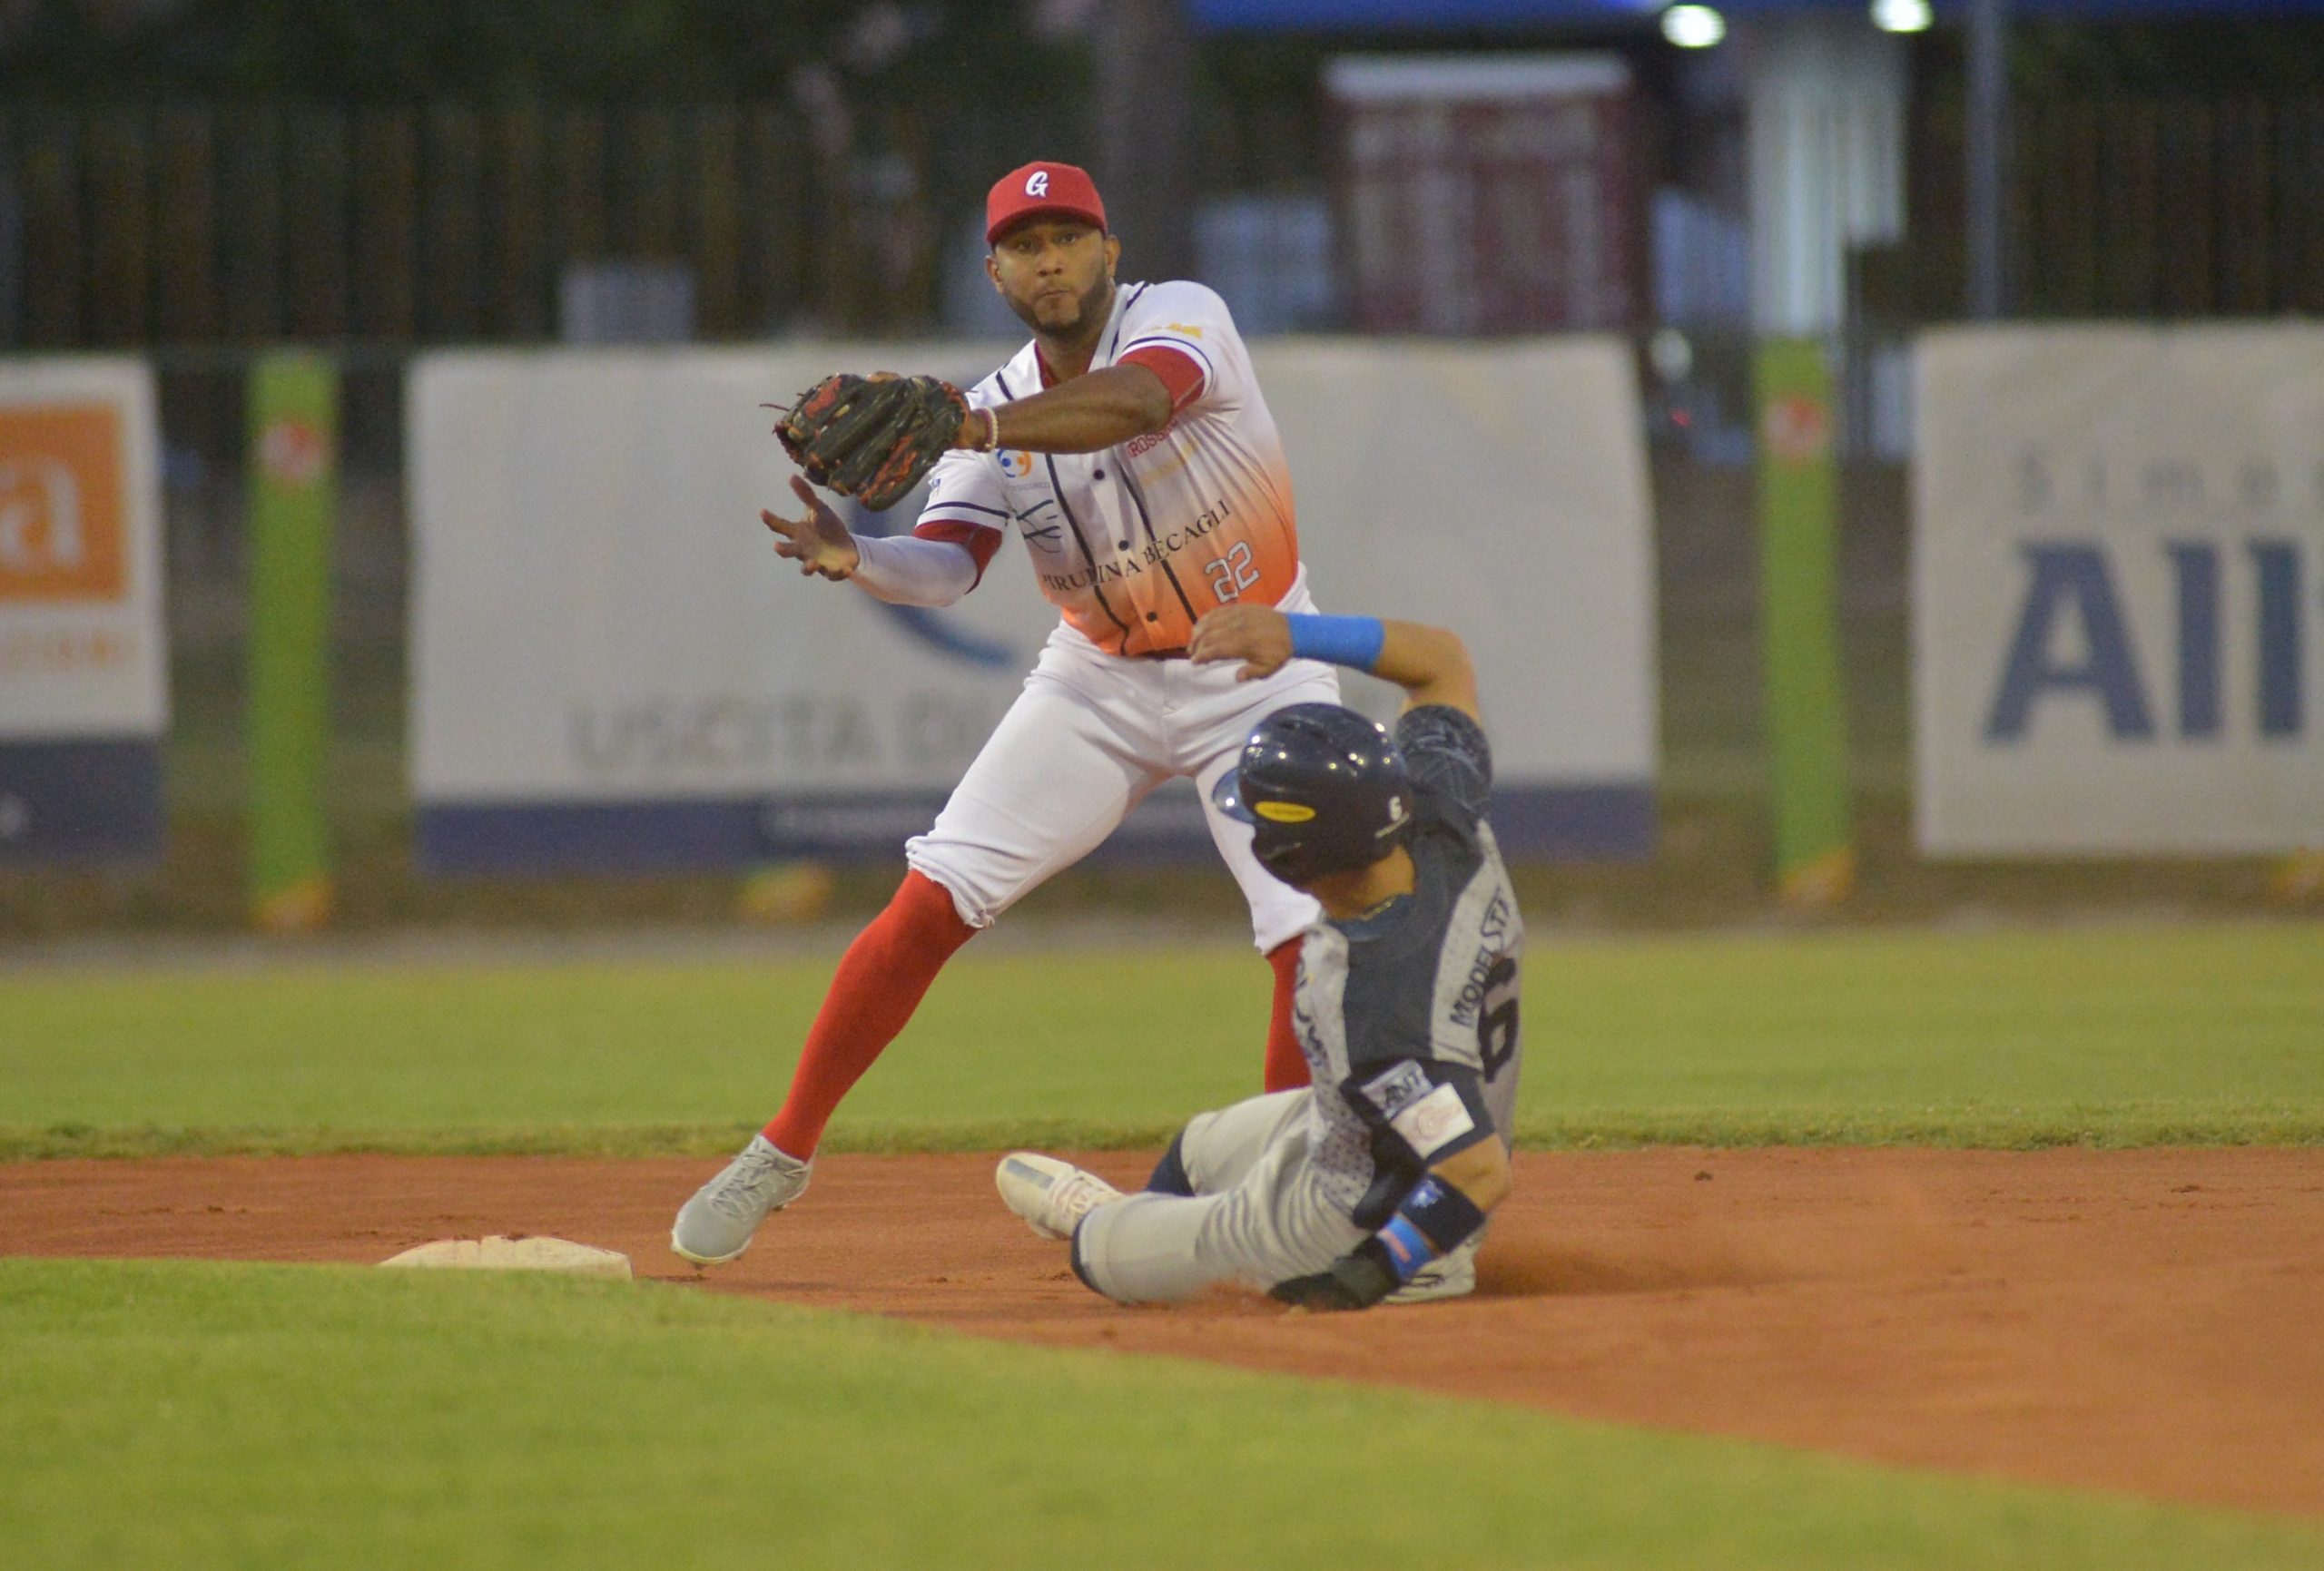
(2071, 603)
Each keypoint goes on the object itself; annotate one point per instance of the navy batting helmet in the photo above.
(1323, 790)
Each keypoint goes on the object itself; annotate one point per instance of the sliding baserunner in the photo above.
(1373, 1183)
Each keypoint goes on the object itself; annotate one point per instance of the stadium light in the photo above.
(1693, 26)
(1901, 15)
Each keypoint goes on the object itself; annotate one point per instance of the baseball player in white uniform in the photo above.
(1129, 445)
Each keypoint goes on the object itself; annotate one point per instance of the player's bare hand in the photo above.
(1257, 635)
(819, 542)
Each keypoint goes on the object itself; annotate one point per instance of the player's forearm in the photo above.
(1430, 663)
(1089, 414)
(905, 570)
(1482, 1172)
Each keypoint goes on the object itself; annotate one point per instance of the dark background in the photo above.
(195, 180)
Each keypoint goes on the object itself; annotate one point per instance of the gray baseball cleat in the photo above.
(716, 1224)
(1052, 1196)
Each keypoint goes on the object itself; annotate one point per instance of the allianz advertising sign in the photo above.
(2118, 590)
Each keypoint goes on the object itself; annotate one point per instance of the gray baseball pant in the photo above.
(1259, 1214)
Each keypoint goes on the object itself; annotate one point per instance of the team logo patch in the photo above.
(1434, 1122)
(1397, 1089)
(1283, 812)
(1037, 183)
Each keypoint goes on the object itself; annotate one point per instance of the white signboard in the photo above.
(612, 668)
(84, 656)
(2118, 581)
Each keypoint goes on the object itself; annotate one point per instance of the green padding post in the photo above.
(293, 493)
(1807, 741)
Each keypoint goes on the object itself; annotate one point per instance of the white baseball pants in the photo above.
(1091, 735)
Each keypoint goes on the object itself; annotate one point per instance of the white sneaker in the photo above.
(1052, 1196)
(716, 1224)
(1453, 1276)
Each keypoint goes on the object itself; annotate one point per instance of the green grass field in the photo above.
(180, 1415)
(2120, 1036)
(198, 1416)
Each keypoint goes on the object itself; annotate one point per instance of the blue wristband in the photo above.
(1350, 641)
(1408, 1249)
(1435, 1220)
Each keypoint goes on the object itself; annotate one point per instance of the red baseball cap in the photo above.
(1062, 189)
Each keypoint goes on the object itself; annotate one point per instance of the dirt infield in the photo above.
(2149, 1321)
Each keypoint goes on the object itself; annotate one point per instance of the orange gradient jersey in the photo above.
(1133, 545)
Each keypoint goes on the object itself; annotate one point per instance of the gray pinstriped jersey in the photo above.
(1435, 977)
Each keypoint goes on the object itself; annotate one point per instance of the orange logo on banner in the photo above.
(61, 524)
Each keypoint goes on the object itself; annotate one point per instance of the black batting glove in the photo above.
(1357, 1280)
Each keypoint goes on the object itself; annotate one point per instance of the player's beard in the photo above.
(1089, 310)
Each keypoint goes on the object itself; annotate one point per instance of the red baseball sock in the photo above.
(880, 982)
(1286, 1064)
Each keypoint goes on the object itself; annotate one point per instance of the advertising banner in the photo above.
(84, 656)
(612, 669)
(2117, 580)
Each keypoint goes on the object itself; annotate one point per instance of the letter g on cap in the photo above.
(1037, 183)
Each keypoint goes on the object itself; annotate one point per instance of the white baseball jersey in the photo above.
(1134, 544)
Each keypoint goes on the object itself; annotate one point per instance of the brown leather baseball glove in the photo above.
(872, 437)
